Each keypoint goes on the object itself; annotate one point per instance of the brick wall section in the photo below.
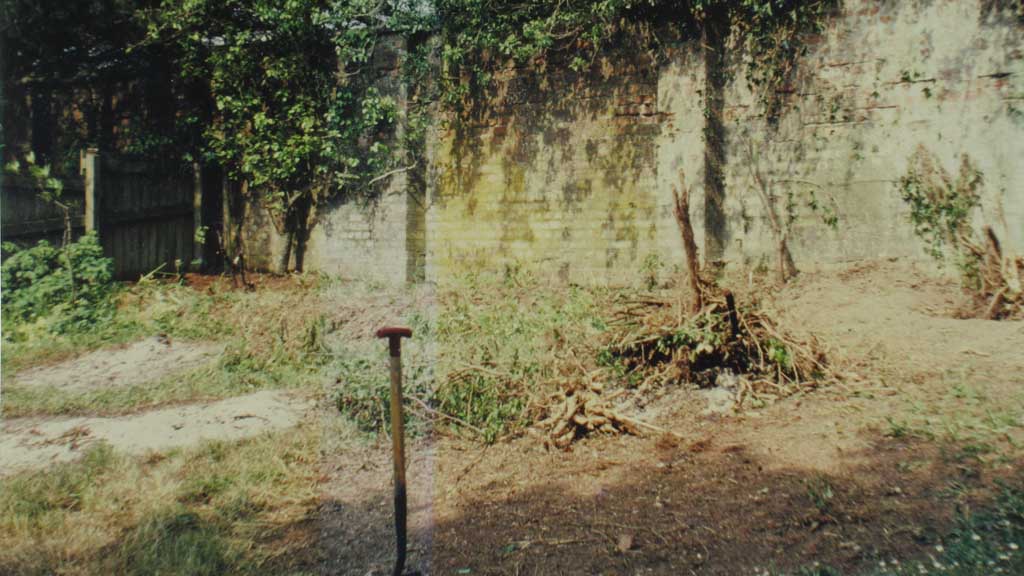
(557, 171)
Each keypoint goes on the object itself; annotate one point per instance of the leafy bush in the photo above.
(69, 289)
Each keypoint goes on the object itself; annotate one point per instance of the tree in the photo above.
(295, 116)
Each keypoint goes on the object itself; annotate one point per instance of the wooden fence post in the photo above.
(227, 225)
(197, 211)
(88, 165)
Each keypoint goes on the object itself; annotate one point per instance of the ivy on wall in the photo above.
(479, 35)
(285, 96)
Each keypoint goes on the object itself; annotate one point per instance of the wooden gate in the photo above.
(145, 212)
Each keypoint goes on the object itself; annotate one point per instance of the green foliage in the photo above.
(494, 405)
(294, 112)
(651, 268)
(479, 37)
(941, 209)
(365, 392)
(501, 341)
(363, 379)
(70, 290)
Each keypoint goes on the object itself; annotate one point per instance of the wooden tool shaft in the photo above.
(398, 447)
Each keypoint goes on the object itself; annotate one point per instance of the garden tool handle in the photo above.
(394, 335)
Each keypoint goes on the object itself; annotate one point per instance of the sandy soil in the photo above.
(34, 443)
(813, 478)
(136, 363)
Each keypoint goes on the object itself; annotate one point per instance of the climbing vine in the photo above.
(287, 96)
(481, 36)
(289, 103)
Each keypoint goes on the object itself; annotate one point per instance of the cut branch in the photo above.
(681, 195)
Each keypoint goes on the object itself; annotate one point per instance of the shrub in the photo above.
(69, 289)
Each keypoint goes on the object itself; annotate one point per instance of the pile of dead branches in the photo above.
(700, 338)
(580, 408)
(654, 345)
(997, 277)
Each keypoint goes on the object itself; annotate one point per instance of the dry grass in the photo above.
(219, 508)
(273, 338)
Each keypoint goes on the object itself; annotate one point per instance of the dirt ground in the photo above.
(34, 443)
(135, 363)
(868, 469)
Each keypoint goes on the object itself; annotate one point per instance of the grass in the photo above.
(479, 354)
(240, 508)
(219, 508)
(272, 339)
(361, 387)
(223, 379)
(502, 340)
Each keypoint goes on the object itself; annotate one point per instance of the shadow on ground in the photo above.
(693, 509)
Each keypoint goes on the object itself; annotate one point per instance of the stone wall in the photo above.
(557, 170)
(574, 173)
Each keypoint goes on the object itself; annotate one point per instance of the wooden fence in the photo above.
(146, 212)
(25, 219)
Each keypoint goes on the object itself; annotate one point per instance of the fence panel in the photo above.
(25, 219)
(142, 209)
(146, 214)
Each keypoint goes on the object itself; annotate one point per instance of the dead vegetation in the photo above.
(946, 213)
(651, 344)
(658, 340)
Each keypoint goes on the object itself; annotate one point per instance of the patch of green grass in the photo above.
(487, 345)
(360, 367)
(37, 347)
(173, 542)
(501, 340)
(233, 374)
(62, 489)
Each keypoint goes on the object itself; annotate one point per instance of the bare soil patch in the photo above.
(35, 443)
(131, 364)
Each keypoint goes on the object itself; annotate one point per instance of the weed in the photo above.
(897, 428)
(651, 269)
(61, 290)
(820, 492)
(172, 542)
(500, 343)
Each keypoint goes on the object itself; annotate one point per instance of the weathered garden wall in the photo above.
(885, 78)
(557, 170)
(573, 173)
